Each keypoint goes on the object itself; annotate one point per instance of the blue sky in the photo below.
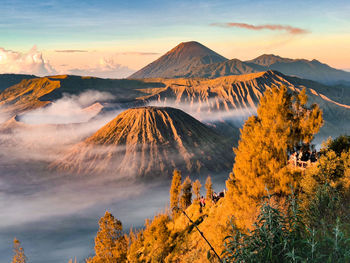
(125, 25)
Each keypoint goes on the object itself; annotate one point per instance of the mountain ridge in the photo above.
(201, 98)
(186, 67)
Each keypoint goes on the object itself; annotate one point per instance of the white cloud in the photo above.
(106, 68)
(69, 109)
(31, 62)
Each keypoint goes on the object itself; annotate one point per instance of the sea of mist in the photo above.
(55, 215)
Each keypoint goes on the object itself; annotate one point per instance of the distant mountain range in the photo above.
(193, 60)
(212, 98)
(203, 98)
(147, 142)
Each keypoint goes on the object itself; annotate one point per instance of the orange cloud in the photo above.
(70, 50)
(288, 29)
(136, 53)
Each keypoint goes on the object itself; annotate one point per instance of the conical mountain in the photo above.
(179, 61)
(150, 141)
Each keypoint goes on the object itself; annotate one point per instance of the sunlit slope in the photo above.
(34, 93)
(8, 80)
(222, 93)
(243, 92)
(237, 91)
(26, 95)
(150, 141)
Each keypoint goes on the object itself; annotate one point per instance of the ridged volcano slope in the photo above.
(150, 141)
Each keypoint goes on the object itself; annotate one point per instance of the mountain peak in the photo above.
(179, 61)
(150, 141)
(194, 48)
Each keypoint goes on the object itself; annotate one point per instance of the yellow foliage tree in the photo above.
(283, 122)
(175, 191)
(331, 172)
(186, 193)
(196, 187)
(110, 243)
(135, 247)
(209, 188)
(156, 240)
(18, 256)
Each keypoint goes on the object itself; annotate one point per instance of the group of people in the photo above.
(215, 197)
(303, 157)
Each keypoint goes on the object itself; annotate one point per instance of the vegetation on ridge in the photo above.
(305, 217)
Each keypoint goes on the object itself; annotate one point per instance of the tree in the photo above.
(186, 193)
(135, 246)
(196, 187)
(209, 188)
(175, 191)
(156, 243)
(18, 256)
(110, 243)
(339, 145)
(283, 123)
(326, 185)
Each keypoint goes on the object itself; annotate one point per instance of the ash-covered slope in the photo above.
(219, 94)
(179, 61)
(150, 141)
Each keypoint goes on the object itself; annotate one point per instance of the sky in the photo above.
(112, 38)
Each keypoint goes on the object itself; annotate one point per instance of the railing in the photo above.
(300, 164)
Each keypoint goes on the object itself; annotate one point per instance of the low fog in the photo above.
(69, 109)
(55, 215)
(210, 111)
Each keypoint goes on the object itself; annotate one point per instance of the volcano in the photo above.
(179, 61)
(150, 141)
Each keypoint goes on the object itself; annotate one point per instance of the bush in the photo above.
(283, 237)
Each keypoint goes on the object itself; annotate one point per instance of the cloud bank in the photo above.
(106, 68)
(70, 51)
(69, 109)
(137, 53)
(274, 27)
(208, 111)
(31, 62)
